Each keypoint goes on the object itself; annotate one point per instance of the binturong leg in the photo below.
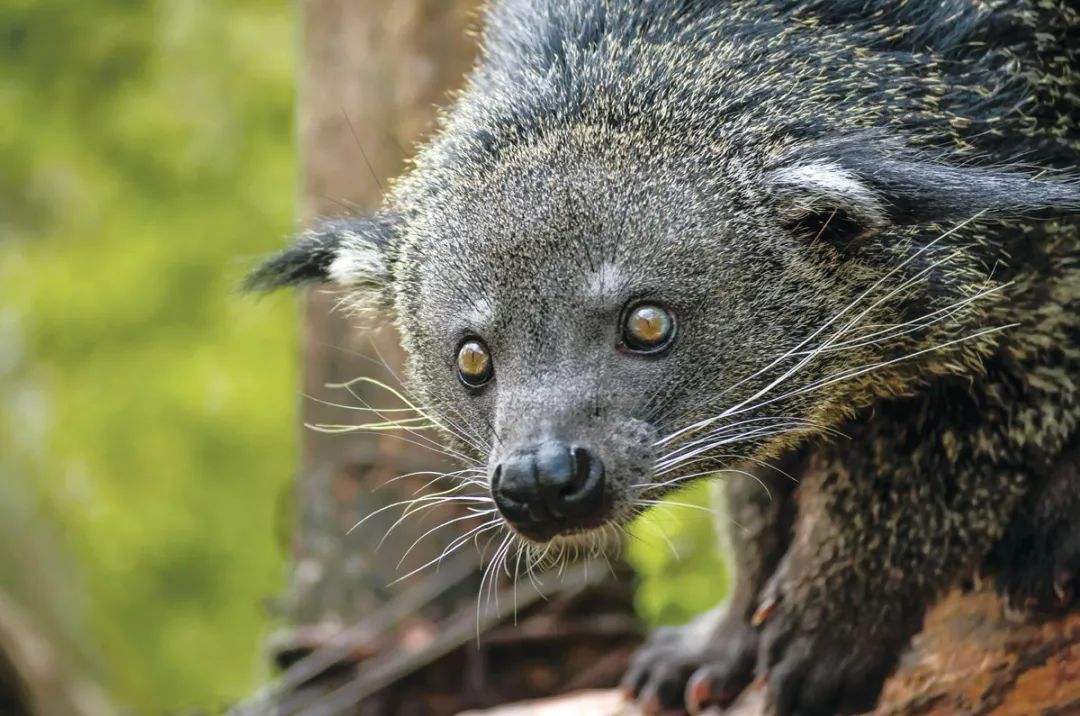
(887, 521)
(711, 659)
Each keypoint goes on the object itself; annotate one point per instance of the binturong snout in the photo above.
(551, 488)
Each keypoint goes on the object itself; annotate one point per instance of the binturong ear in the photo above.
(842, 189)
(351, 253)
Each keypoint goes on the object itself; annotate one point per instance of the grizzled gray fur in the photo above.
(859, 219)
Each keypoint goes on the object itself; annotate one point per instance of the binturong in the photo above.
(828, 250)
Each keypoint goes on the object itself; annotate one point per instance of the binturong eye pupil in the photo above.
(648, 328)
(474, 363)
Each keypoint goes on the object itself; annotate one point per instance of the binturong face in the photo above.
(597, 322)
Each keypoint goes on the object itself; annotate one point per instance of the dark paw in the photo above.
(1041, 592)
(682, 669)
(821, 673)
(719, 682)
(1045, 582)
(1041, 580)
(1036, 564)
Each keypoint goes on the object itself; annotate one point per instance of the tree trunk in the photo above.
(372, 74)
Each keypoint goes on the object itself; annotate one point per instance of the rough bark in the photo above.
(972, 658)
(371, 75)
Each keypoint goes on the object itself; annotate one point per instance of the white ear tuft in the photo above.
(348, 252)
(875, 180)
(357, 262)
(824, 185)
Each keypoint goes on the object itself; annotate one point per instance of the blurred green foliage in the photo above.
(147, 425)
(146, 155)
(675, 549)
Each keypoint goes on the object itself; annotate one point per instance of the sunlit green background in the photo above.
(147, 431)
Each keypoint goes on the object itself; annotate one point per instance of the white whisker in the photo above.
(735, 409)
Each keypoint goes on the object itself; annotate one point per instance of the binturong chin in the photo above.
(829, 247)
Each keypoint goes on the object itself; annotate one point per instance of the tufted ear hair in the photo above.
(847, 187)
(350, 253)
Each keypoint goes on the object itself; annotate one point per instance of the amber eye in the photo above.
(648, 328)
(474, 363)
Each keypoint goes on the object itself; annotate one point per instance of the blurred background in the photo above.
(149, 414)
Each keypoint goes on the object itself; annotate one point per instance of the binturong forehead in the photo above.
(544, 251)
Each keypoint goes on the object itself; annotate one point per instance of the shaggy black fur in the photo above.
(764, 169)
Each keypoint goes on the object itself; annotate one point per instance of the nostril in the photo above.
(586, 491)
(512, 489)
(582, 463)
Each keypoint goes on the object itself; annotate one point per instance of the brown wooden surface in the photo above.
(972, 658)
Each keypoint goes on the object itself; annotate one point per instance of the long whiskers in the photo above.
(808, 357)
(722, 430)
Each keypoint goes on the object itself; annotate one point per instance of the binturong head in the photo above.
(597, 316)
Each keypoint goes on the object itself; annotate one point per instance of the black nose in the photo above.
(550, 488)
